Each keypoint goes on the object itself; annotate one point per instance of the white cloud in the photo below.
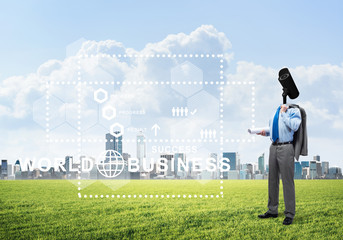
(48, 67)
(205, 39)
(20, 92)
(320, 86)
(338, 122)
(319, 114)
(3, 110)
(318, 73)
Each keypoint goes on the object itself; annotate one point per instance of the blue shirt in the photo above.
(289, 123)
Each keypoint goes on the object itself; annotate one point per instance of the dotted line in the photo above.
(79, 139)
(153, 83)
(253, 109)
(221, 119)
(100, 140)
(173, 196)
(221, 106)
(144, 83)
(239, 83)
(196, 55)
(221, 72)
(47, 111)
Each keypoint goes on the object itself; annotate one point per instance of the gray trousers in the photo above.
(281, 161)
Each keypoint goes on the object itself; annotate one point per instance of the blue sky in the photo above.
(302, 32)
(306, 36)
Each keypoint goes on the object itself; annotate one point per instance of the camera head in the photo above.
(289, 87)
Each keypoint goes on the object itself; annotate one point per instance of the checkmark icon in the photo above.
(194, 111)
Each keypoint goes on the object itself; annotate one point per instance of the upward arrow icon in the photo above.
(155, 127)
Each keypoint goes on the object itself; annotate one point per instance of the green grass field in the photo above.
(51, 209)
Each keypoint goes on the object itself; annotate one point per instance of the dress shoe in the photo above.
(287, 221)
(268, 215)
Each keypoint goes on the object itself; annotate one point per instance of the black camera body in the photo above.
(289, 87)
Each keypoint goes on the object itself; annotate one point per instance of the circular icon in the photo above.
(110, 164)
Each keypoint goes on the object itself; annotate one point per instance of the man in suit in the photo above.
(282, 127)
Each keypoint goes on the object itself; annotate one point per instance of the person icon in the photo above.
(186, 111)
(173, 111)
(177, 111)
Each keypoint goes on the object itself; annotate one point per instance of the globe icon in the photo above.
(110, 164)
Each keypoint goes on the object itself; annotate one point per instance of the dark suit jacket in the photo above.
(300, 136)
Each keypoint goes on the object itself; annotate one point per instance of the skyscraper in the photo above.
(17, 170)
(234, 161)
(141, 150)
(255, 168)
(335, 173)
(125, 174)
(93, 174)
(298, 170)
(261, 163)
(10, 171)
(230, 162)
(319, 169)
(126, 156)
(216, 174)
(168, 157)
(114, 143)
(17, 163)
(238, 161)
(243, 174)
(306, 172)
(316, 158)
(313, 169)
(68, 163)
(179, 172)
(4, 171)
(325, 168)
(305, 164)
(250, 169)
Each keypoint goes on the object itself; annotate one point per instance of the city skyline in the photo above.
(313, 169)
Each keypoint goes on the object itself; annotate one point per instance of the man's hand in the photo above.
(263, 133)
(284, 108)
